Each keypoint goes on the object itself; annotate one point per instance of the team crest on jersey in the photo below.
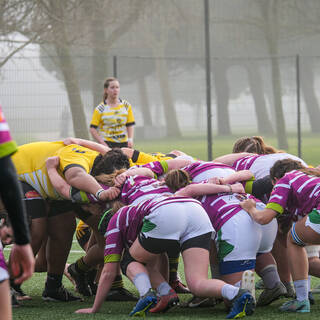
(240, 197)
(33, 194)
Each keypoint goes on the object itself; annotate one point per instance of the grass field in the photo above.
(38, 309)
(197, 146)
(41, 310)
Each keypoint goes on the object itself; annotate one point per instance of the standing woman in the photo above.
(112, 121)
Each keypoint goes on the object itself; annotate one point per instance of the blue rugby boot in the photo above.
(146, 302)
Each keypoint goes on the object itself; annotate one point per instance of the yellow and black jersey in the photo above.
(112, 122)
(76, 156)
(30, 163)
(141, 158)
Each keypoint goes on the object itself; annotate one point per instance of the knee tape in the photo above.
(295, 237)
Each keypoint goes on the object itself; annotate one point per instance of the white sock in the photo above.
(163, 289)
(309, 283)
(301, 287)
(229, 291)
(142, 283)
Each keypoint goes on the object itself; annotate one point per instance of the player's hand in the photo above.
(237, 188)
(248, 205)
(215, 180)
(71, 140)
(88, 310)
(52, 162)
(120, 179)
(21, 262)
(110, 194)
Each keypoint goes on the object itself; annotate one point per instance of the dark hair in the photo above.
(253, 144)
(113, 160)
(177, 179)
(106, 86)
(281, 167)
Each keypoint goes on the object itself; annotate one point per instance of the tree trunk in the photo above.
(264, 123)
(98, 61)
(145, 106)
(272, 29)
(307, 88)
(222, 96)
(68, 71)
(172, 124)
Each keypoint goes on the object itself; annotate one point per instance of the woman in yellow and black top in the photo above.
(112, 121)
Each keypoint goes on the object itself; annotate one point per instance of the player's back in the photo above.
(32, 156)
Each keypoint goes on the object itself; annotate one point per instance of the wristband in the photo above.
(130, 139)
(98, 193)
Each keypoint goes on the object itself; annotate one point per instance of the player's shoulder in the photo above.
(125, 103)
(100, 107)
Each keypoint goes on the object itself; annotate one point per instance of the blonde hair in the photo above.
(108, 179)
(106, 86)
(253, 144)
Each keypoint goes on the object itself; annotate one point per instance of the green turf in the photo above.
(197, 146)
(38, 309)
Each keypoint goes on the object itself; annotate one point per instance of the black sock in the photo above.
(54, 280)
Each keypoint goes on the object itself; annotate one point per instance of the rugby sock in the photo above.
(54, 280)
(270, 276)
(309, 283)
(163, 289)
(301, 287)
(117, 283)
(173, 267)
(229, 291)
(142, 283)
(81, 266)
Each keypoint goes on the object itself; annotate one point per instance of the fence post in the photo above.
(115, 66)
(208, 77)
(298, 105)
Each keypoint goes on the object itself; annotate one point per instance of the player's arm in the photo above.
(21, 257)
(130, 132)
(79, 179)
(108, 275)
(11, 194)
(177, 163)
(59, 184)
(99, 147)
(231, 158)
(199, 189)
(260, 216)
(242, 175)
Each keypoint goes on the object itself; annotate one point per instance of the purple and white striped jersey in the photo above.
(122, 231)
(296, 192)
(221, 207)
(261, 164)
(7, 145)
(201, 171)
(126, 224)
(139, 188)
